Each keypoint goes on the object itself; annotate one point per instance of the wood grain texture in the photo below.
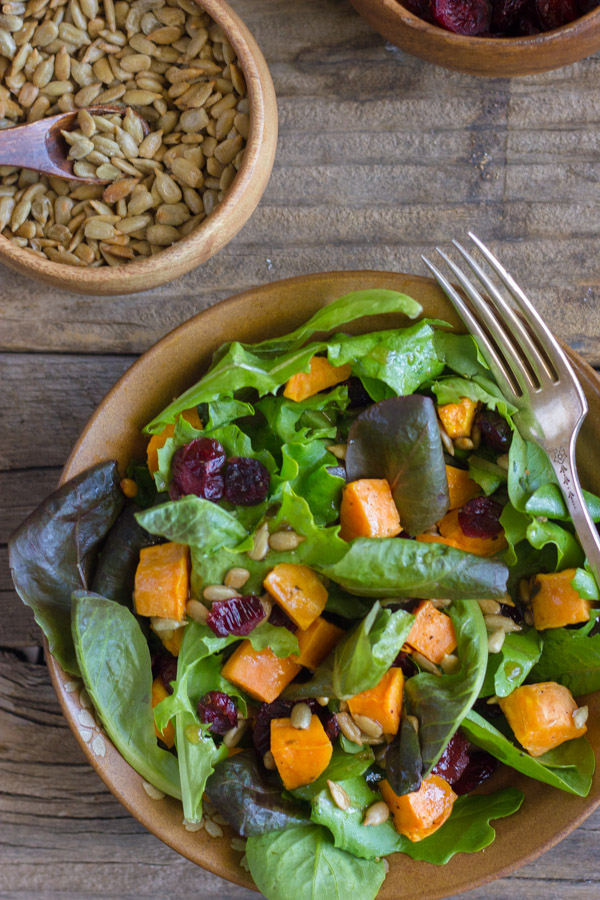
(380, 157)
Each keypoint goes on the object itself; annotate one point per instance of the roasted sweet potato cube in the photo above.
(450, 528)
(368, 510)
(432, 632)
(461, 488)
(259, 672)
(457, 418)
(162, 581)
(419, 814)
(383, 703)
(159, 692)
(317, 642)
(541, 716)
(322, 375)
(157, 441)
(299, 592)
(300, 754)
(555, 602)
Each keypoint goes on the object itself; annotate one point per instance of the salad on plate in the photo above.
(338, 593)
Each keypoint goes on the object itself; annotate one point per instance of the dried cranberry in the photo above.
(404, 661)
(495, 430)
(238, 615)
(217, 710)
(504, 14)
(511, 612)
(421, 8)
(554, 13)
(195, 469)
(246, 481)
(454, 760)
(481, 767)
(261, 736)
(164, 666)
(281, 619)
(357, 394)
(329, 722)
(462, 16)
(480, 518)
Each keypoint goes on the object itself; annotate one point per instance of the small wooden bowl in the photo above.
(114, 431)
(493, 57)
(221, 226)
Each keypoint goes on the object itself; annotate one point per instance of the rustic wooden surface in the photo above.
(380, 157)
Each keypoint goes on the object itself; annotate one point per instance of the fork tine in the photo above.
(547, 340)
(519, 373)
(495, 362)
(537, 361)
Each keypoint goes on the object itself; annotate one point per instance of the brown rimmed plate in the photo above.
(114, 431)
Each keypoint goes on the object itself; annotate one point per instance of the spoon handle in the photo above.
(29, 146)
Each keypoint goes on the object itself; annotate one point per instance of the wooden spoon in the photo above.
(40, 145)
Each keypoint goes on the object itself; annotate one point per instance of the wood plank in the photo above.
(20, 493)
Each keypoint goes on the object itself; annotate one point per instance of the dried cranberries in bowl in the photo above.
(500, 18)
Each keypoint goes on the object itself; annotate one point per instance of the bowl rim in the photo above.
(526, 42)
(465, 881)
(108, 279)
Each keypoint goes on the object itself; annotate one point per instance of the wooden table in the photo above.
(380, 157)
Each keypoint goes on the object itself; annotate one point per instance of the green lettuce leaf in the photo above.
(305, 468)
(548, 501)
(303, 863)
(310, 419)
(194, 521)
(364, 654)
(269, 364)
(478, 388)
(441, 702)
(114, 661)
(568, 767)
(341, 767)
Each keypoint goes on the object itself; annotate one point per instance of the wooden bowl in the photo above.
(114, 432)
(220, 227)
(494, 57)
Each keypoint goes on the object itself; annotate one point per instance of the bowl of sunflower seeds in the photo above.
(184, 151)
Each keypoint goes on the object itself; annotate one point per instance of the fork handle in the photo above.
(562, 458)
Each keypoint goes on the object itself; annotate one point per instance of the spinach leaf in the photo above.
(248, 799)
(364, 654)
(460, 353)
(194, 521)
(364, 841)
(395, 567)
(403, 761)
(52, 551)
(399, 439)
(571, 657)
(341, 767)
(441, 703)
(548, 501)
(118, 558)
(466, 831)
(510, 667)
(146, 489)
(269, 364)
(569, 766)
(303, 863)
(528, 469)
(197, 753)
(114, 661)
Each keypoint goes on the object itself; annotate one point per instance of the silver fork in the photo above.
(532, 372)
